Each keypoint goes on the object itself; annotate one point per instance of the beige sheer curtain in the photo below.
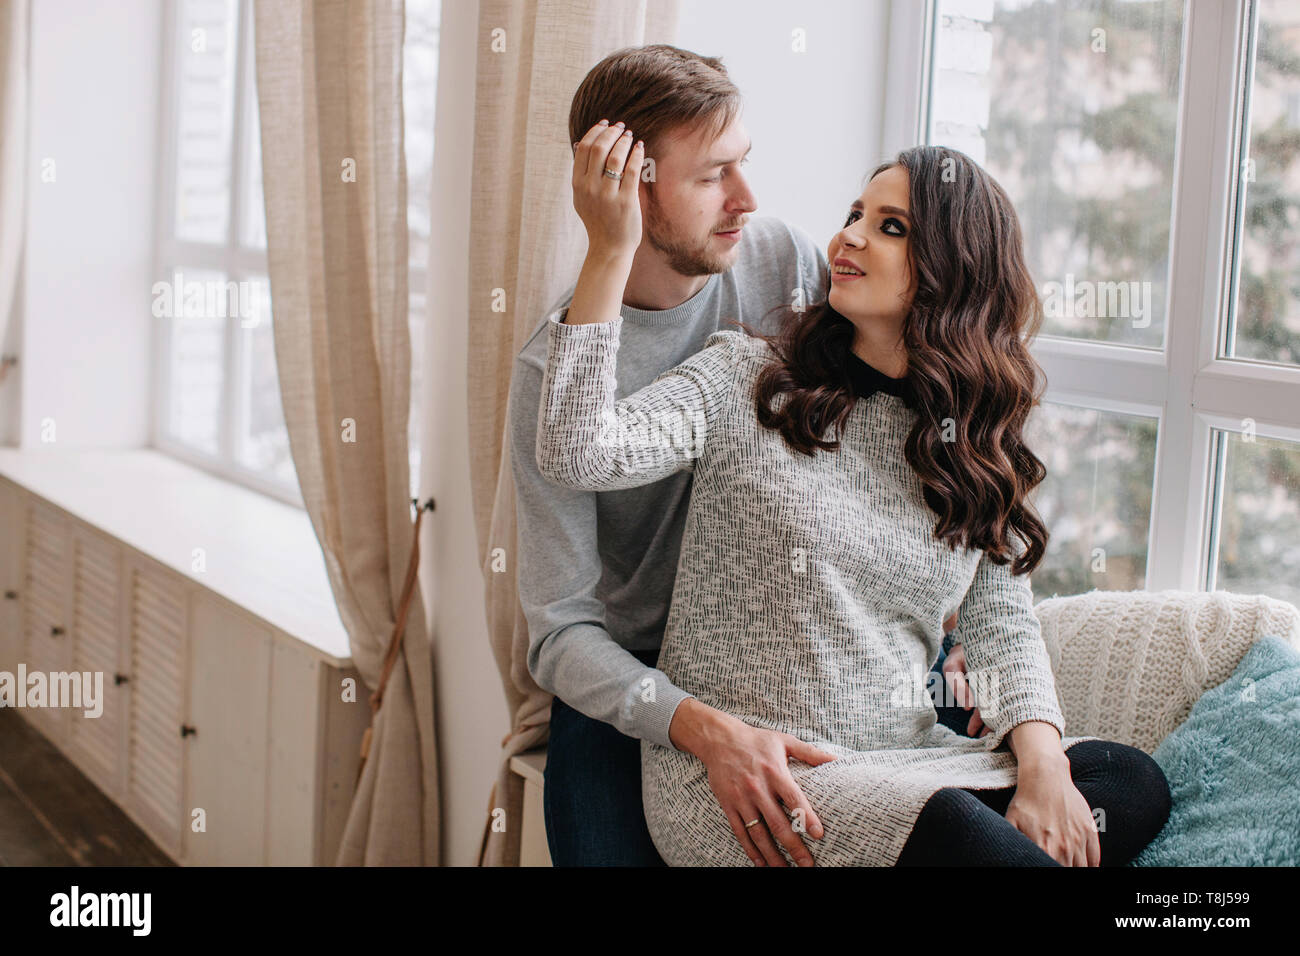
(527, 242)
(13, 151)
(329, 83)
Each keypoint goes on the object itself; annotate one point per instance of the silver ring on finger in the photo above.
(613, 175)
(752, 823)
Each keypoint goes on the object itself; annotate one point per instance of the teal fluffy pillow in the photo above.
(1234, 768)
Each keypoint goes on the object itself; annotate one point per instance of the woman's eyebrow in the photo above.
(858, 207)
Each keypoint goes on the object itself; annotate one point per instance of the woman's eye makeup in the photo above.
(855, 215)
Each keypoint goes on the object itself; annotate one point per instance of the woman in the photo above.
(856, 479)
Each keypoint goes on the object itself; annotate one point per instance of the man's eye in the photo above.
(854, 216)
(714, 179)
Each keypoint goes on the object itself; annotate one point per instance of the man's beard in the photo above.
(684, 256)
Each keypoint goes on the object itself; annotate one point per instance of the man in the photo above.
(596, 570)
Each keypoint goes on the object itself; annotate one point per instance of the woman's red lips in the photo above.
(841, 263)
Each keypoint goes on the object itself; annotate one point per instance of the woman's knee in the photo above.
(1124, 768)
(1128, 793)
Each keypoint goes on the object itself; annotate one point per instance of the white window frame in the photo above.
(234, 261)
(1192, 392)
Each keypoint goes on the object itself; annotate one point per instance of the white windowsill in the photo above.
(260, 554)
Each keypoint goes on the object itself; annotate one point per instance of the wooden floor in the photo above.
(52, 815)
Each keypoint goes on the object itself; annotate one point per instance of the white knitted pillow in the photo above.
(1129, 665)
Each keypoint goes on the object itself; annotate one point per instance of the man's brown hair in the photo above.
(655, 90)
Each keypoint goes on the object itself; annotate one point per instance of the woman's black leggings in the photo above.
(959, 827)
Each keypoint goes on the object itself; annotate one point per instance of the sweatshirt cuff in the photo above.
(559, 326)
(1013, 713)
(649, 709)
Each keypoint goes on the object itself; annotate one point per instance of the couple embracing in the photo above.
(725, 621)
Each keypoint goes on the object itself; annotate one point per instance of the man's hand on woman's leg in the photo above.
(749, 774)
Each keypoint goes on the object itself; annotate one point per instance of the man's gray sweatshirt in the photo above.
(596, 569)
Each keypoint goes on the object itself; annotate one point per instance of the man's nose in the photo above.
(742, 198)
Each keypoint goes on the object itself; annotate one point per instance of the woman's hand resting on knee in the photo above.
(749, 774)
(1047, 807)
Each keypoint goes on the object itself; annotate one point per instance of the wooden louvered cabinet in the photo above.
(221, 736)
(96, 621)
(230, 660)
(47, 589)
(12, 542)
(155, 667)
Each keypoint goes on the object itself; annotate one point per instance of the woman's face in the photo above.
(874, 242)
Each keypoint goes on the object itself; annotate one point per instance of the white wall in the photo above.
(815, 117)
(96, 69)
(470, 705)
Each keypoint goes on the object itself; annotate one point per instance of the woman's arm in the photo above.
(584, 438)
(1007, 664)
(1016, 691)
(587, 440)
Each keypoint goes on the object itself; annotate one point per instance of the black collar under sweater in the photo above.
(867, 380)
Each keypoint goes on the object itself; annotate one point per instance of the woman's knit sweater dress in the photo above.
(809, 598)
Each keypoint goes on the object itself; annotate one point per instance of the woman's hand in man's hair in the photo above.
(606, 176)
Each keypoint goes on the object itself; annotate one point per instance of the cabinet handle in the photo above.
(11, 595)
(188, 731)
(55, 630)
(120, 679)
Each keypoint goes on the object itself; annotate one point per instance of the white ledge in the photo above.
(260, 554)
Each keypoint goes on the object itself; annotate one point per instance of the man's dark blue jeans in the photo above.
(592, 797)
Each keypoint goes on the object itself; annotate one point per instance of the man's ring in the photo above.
(613, 175)
(751, 823)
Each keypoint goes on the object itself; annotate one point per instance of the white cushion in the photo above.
(1130, 664)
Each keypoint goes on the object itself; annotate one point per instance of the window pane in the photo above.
(1257, 531)
(1266, 321)
(263, 440)
(419, 99)
(1095, 500)
(205, 92)
(196, 359)
(419, 96)
(1073, 108)
(419, 319)
(253, 213)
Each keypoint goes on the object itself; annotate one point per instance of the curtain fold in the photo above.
(527, 242)
(329, 85)
(14, 47)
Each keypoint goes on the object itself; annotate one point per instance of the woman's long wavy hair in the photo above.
(970, 376)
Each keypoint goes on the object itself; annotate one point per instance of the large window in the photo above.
(1152, 149)
(218, 395)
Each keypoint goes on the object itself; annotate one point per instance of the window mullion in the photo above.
(912, 26)
(1209, 113)
(164, 224)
